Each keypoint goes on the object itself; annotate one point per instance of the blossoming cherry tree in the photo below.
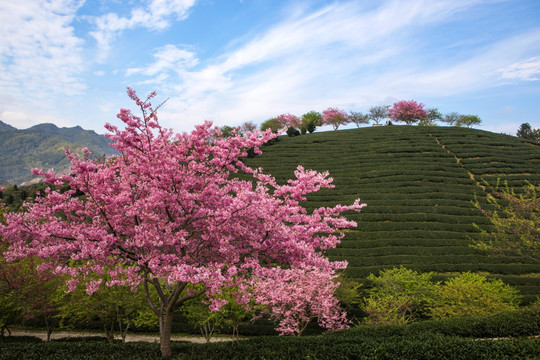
(169, 212)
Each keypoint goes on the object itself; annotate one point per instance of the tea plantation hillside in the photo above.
(419, 184)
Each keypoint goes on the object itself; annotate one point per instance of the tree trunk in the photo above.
(48, 327)
(235, 333)
(165, 311)
(109, 333)
(165, 331)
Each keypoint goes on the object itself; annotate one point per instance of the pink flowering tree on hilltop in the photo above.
(334, 117)
(408, 112)
(169, 212)
(289, 120)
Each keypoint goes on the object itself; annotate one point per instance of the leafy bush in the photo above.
(398, 296)
(472, 294)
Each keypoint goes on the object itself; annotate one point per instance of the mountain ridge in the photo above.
(42, 146)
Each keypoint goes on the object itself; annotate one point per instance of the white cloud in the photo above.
(168, 58)
(39, 53)
(528, 70)
(157, 15)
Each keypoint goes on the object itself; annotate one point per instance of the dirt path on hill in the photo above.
(129, 338)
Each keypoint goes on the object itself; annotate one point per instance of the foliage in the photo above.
(433, 115)
(451, 118)
(398, 296)
(310, 121)
(292, 131)
(199, 315)
(27, 293)
(378, 113)
(226, 131)
(468, 120)
(273, 124)
(235, 312)
(470, 294)
(358, 118)
(515, 220)
(169, 213)
(116, 307)
(348, 291)
(526, 132)
(334, 117)
(407, 111)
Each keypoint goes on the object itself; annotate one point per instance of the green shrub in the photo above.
(398, 296)
(470, 294)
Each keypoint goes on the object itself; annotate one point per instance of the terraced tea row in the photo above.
(419, 184)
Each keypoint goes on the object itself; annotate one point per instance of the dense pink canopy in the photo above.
(334, 117)
(289, 120)
(407, 111)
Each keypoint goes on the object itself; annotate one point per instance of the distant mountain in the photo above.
(42, 146)
(6, 127)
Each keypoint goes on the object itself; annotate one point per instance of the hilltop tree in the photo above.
(272, 124)
(226, 131)
(378, 113)
(169, 213)
(358, 118)
(310, 121)
(468, 120)
(408, 112)
(433, 115)
(248, 127)
(451, 118)
(334, 117)
(289, 120)
(525, 131)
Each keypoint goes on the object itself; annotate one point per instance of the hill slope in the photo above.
(419, 184)
(42, 146)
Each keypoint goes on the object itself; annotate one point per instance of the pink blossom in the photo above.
(334, 117)
(407, 111)
(289, 120)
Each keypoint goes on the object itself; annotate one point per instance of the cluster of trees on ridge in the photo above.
(405, 111)
(526, 132)
(166, 217)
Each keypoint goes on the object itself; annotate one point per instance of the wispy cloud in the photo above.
(157, 15)
(526, 70)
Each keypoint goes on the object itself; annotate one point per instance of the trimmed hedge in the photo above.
(458, 338)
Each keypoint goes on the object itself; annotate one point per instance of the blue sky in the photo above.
(69, 61)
